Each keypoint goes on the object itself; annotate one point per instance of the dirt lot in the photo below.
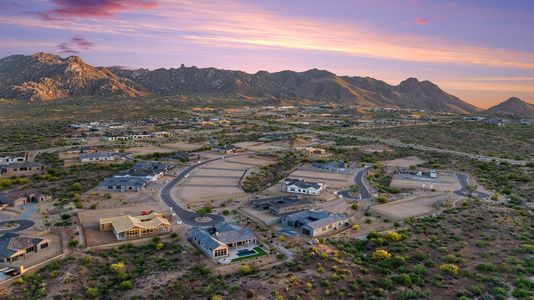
(215, 181)
(89, 220)
(444, 182)
(415, 206)
(163, 148)
(405, 162)
(255, 146)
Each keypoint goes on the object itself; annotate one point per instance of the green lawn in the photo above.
(259, 252)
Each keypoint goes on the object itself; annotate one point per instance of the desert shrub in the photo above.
(393, 236)
(245, 269)
(381, 254)
(449, 269)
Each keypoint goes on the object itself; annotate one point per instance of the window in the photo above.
(45, 245)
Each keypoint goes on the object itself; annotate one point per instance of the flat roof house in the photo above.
(22, 169)
(122, 184)
(131, 227)
(315, 223)
(13, 158)
(98, 156)
(14, 246)
(299, 186)
(21, 197)
(333, 166)
(283, 205)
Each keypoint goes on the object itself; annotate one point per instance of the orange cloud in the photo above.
(422, 21)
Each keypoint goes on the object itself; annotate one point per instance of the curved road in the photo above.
(187, 216)
(23, 225)
(358, 179)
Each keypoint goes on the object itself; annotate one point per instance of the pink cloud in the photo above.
(422, 21)
(74, 45)
(94, 8)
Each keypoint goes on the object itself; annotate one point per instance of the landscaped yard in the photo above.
(259, 252)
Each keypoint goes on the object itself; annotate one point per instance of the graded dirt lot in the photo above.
(444, 182)
(255, 146)
(163, 148)
(332, 180)
(404, 162)
(215, 181)
(415, 206)
(90, 218)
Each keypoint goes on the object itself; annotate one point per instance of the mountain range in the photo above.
(44, 76)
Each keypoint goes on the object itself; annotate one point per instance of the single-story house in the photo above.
(22, 169)
(334, 166)
(131, 227)
(299, 186)
(222, 238)
(147, 170)
(14, 246)
(315, 223)
(14, 158)
(210, 246)
(311, 150)
(283, 205)
(231, 149)
(122, 184)
(98, 156)
(21, 197)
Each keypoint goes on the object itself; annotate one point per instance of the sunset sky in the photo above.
(479, 50)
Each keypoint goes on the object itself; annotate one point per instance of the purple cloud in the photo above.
(75, 45)
(422, 21)
(94, 8)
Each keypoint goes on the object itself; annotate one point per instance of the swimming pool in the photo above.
(245, 252)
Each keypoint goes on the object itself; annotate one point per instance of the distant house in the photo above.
(22, 169)
(131, 227)
(21, 197)
(231, 149)
(315, 223)
(96, 157)
(225, 236)
(497, 121)
(299, 186)
(334, 166)
(147, 170)
(282, 205)
(14, 158)
(14, 247)
(122, 184)
(82, 150)
(311, 150)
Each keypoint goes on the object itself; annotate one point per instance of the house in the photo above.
(206, 243)
(299, 186)
(21, 197)
(314, 223)
(15, 158)
(122, 184)
(14, 247)
(231, 149)
(311, 150)
(334, 166)
(497, 121)
(131, 227)
(147, 170)
(22, 169)
(96, 157)
(217, 241)
(282, 205)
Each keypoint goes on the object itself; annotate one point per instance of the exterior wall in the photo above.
(219, 252)
(22, 253)
(326, 229)
(296, 190)
(136, 232)
(8, 171)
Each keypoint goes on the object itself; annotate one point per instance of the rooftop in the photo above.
(124, 223)
(300, 183)
(11, 242)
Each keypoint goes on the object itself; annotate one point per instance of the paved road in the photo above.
(23, 225)
(464, 182)
(187, 216)
(358, 179)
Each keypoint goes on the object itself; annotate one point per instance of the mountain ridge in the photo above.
(511, 108)
(44, 76)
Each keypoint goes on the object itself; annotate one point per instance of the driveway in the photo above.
(464, 182)
(358, 179)
(187, 216)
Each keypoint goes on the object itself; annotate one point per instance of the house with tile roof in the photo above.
(132, 227)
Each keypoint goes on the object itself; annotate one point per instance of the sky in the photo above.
(479, 50)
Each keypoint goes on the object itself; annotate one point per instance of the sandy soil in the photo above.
(405, 162)
(444, 182)
(413, 206)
